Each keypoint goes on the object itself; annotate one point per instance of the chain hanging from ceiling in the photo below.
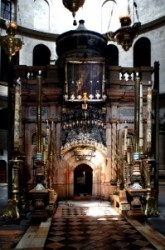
(126, 34)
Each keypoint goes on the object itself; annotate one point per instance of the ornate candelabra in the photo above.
(126, 34)
(12, 211)
(9, 42)
(151, 208)
(39, 193)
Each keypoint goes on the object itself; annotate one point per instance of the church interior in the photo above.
(82, 131)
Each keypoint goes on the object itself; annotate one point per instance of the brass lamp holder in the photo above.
(12, 213)
(10, 43)
(125, 35)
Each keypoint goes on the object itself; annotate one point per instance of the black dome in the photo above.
(81, 43)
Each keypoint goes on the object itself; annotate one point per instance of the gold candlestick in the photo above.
(136, 122)
(125, 138)
(141, 119)
(39, 115)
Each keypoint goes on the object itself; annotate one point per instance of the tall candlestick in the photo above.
(17, 115)
(66, 78)
(72, 72)
(141, 118)
(125, 137)
(129, 150)
(136, 125)
(39, 113)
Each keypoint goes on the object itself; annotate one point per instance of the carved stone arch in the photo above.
(96, 164)
(42, 17)
(89, 163)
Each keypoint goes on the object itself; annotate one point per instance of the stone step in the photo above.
(83, 197)
(35, 236)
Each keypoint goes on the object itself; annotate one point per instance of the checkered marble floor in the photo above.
(72, 208)
(77, 226)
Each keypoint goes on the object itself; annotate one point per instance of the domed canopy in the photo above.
(81, 43)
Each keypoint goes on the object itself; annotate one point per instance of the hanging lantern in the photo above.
(9, 42)
(126, 34)
(73, 6)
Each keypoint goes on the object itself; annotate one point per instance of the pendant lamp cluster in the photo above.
(126, 34)
(9, 42)
(123, 36)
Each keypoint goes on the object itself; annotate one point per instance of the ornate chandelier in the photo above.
(10, 43)
(125, 35)
(73, 6)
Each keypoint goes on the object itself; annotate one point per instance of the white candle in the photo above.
(129, 150)
(124, 11)
(149, 118)
(47, 128)
(43, 139)
(128, 157)
(52, 126)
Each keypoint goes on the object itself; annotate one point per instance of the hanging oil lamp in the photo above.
(73, 6)
(126, 34)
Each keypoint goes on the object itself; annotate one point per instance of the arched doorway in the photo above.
(142, 52)
(41, 55)
(83, 179)
(112, 57)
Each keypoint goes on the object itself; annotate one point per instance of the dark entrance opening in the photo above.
(3, 171)
(83, 180)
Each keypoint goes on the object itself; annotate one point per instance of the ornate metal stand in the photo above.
(40, 194)
(151, 199)
(12, 211)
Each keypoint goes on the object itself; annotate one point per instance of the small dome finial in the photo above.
(81, 25)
